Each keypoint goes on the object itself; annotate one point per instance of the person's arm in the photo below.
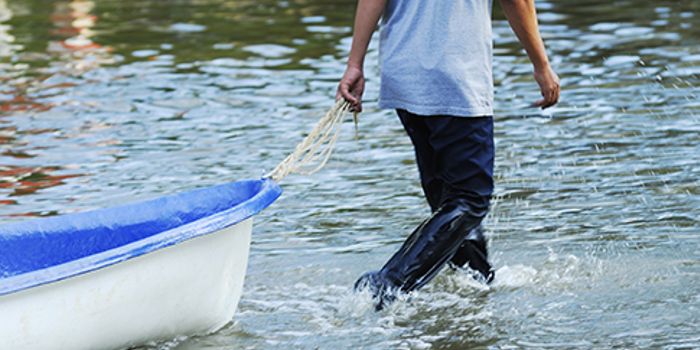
(522, 17)
(352, 85)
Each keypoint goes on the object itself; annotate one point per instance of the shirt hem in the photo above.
(423, 110)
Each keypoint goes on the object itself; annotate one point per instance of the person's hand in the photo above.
(351, 87)
(548, 81)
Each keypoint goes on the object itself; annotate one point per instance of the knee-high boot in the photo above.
(424, 253)
(473, 252)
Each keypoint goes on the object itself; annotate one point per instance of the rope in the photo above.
(312, 153)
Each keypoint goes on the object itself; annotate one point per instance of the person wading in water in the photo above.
(436, 72)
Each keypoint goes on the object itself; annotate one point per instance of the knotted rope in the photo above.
(312, 153)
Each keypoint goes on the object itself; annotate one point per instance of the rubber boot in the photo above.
(423, 254)
(473, 250)
(474, 253)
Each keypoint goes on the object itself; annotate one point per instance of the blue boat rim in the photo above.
(46, 250)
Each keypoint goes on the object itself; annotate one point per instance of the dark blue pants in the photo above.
(455, 157)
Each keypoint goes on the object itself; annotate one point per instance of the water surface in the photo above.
(595, 230)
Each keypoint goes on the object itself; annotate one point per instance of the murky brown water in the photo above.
(595, 232)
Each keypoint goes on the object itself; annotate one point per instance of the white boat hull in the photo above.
(189, 288)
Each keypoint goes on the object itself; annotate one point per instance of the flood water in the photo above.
(595, 231)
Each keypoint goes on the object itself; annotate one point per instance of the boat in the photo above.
(125, 276)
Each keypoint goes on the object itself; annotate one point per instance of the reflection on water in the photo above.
(594, 231)
(25, 181)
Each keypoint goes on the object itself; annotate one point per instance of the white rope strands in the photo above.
(312, 153)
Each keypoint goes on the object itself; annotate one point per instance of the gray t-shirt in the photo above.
(435, 57)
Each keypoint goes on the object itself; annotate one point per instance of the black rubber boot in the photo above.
(474, 253)
(424, 253)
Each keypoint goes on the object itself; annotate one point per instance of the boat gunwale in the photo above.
(269, 191)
